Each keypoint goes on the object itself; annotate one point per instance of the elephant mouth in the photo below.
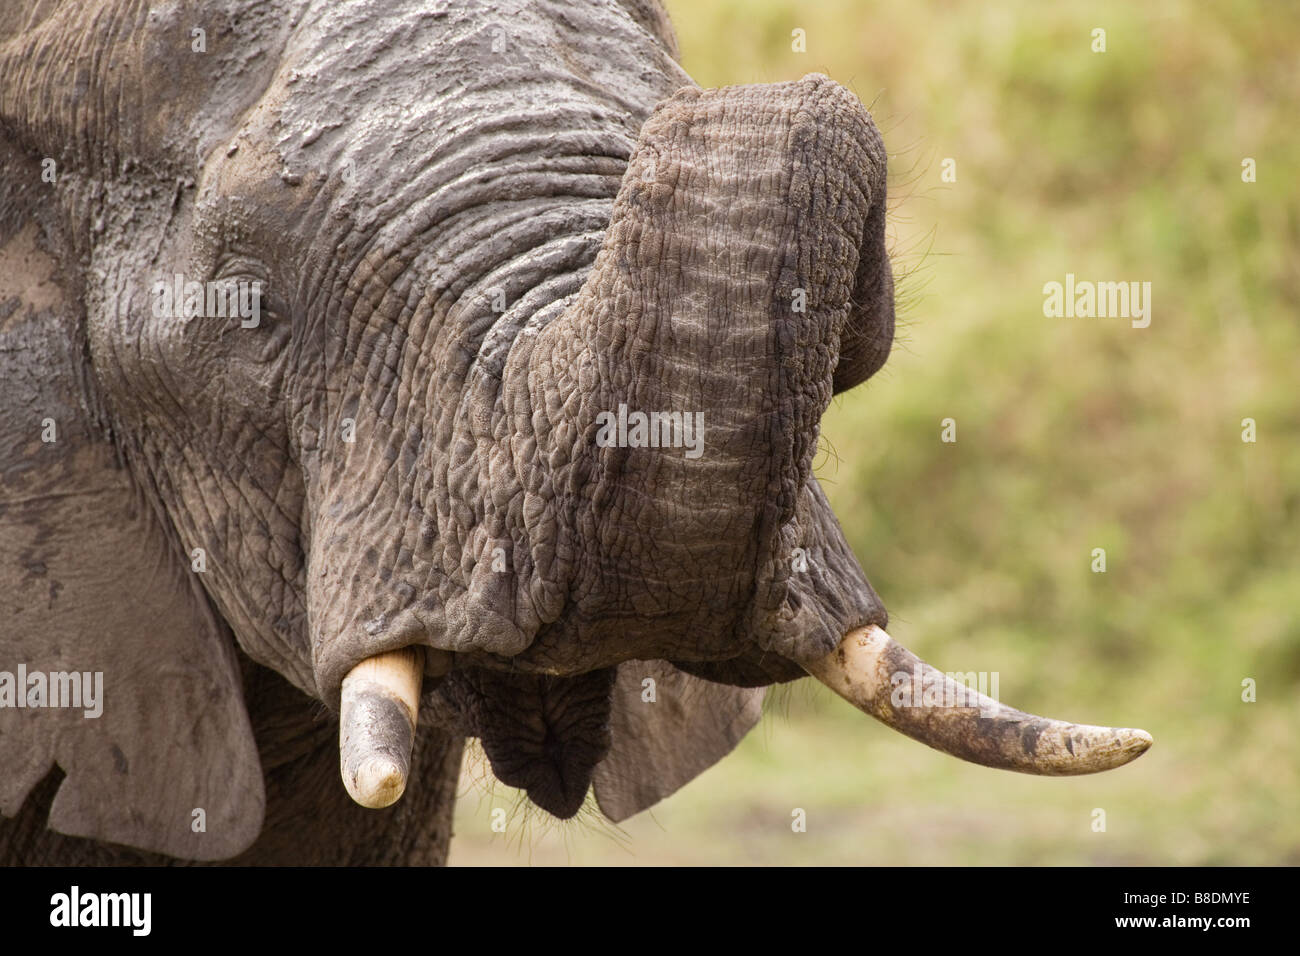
(541, 734)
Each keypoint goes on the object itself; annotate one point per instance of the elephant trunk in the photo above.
(677, 400)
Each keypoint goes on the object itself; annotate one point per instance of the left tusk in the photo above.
(377, 720)
(869, 670)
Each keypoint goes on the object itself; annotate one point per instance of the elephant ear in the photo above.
(666, 733)
(93, 588)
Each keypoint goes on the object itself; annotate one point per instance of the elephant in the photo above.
(380, 374)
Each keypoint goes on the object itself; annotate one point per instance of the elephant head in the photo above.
(512, 409)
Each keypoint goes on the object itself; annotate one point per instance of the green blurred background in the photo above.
(1072, 434)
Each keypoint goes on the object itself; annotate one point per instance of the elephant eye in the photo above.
(276, 336)
(252, 311)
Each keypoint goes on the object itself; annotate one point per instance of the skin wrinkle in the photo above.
(462, 153)
(558, 284)
(435, 201)
(398, 321)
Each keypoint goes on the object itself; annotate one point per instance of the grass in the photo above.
(1072, 434)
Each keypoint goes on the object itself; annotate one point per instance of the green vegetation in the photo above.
(1073, 434)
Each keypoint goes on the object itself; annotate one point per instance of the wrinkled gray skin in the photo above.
(391, 170)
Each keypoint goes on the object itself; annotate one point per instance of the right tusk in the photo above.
(869, 668)
(377, 721)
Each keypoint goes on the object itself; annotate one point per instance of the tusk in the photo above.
(377, 720)
(886, 680)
